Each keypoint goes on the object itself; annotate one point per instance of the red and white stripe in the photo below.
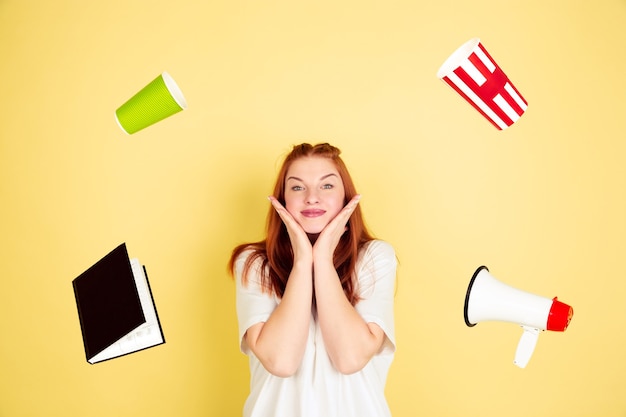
(485, 86)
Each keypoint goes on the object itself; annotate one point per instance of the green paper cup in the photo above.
(156, 101)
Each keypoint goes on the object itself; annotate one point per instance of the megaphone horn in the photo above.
(488, 299)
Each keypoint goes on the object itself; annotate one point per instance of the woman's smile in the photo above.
(312, 213)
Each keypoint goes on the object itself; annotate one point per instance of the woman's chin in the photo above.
(312, 229)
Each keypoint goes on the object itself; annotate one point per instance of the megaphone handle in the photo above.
(526, 346)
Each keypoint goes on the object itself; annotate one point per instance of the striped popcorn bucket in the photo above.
(473, 73)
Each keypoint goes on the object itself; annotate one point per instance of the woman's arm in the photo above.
(279, 343)
(350, 341)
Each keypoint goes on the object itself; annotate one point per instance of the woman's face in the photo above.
(314, 192)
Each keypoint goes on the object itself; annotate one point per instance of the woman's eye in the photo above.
(297, 188)
(327, 186)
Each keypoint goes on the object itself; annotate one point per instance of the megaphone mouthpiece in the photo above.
(559, 316)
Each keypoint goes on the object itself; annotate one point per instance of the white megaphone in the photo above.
(488, 299)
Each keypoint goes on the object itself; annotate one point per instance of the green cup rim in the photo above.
(174, 90)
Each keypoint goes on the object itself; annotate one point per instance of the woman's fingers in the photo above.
(296, 233)
(351, 206)
(330, 236)
(341, 219)
(282, 211)
(285, 216)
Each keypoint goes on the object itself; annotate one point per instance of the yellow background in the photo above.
(542, 204)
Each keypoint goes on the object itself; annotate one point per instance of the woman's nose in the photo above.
(311, 197)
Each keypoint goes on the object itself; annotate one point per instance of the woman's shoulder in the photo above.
(250, 254)
(244, 250)
(377, 263)
(376, 251)
(379, 246)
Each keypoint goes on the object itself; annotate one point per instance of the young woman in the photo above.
(315, 298)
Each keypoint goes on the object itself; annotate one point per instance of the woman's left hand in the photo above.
(330, 236)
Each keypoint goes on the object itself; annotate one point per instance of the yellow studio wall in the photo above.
(542, 204)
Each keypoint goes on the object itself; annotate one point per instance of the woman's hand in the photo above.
(329, 237)
(300, 242)
(350, 340)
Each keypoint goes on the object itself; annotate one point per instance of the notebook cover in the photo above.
(107, 300)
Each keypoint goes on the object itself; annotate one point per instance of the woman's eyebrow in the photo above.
(332, 174)
(328, 175)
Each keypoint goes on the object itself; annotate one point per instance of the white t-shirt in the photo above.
(317, 389)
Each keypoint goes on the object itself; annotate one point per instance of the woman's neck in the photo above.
(313, 237)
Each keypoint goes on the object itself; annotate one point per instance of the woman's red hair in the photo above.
(275, 250)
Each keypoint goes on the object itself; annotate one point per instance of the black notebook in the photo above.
(116, 308)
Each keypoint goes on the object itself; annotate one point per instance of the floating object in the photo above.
(159, 99)
(488, 299)
(116, 309)
(473, 73)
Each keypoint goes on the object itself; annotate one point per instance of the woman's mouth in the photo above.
(312, 213)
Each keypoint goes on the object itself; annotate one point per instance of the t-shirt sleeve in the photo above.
(377, 278)
(253, 305)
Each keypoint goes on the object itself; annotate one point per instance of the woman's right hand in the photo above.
(300, 243)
